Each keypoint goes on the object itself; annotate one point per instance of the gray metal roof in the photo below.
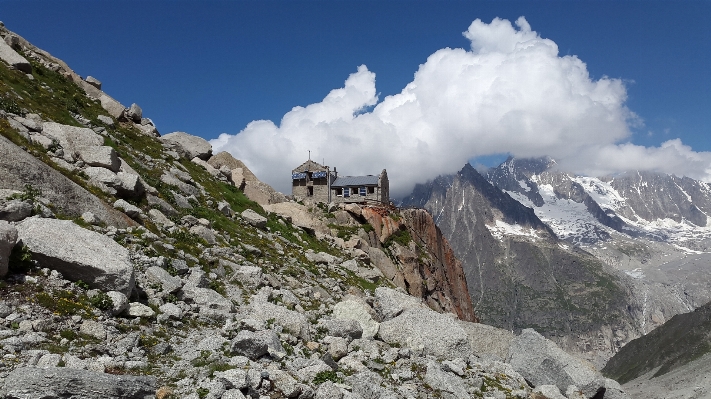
(350, 181)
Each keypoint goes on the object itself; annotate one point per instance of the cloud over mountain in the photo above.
(509, 93)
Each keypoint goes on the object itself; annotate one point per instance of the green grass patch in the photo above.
(65, 303)
(401, 237)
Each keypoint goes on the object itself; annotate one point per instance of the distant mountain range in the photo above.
(590, 262)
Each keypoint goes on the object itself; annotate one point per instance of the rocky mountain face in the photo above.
(521, 275)
(671, 361)
(425, 264)
(651, 226)
(136, 265)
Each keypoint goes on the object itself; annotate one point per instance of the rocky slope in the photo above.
(671, 361)
(520, 275)
(137, 265)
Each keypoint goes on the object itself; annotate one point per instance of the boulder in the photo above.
(328, 390)
(93, 81)
(8, 239)
(344, 328)
(103, 156)
(78, 253)
(293, 322)
(389, 303)
(148, 130)
(488, 340)
(248, 275)
(122, 184)
(93, 329)
(160, 219)
(320, 258)
(300, 216)
(106, 120)
(445, 381)
(237, 178)
(234, 378)
(205, 233)
(351, 309)
(262, 193)
(113, 107)
(256, 344)
(224, 158)
(157, 202)
(119, 302)
(549, 392)
(225, 208)
(137, 309)
(354, 209)
(90, 218)
(212, 171)
(134, 113)
(12, 40)
(436, 334)
(63, 382)
(209, 301)
(31, 124)
(254, 219)
(131, 184)
(187, 145)
(306, 370)
(12, 58)
(103, 178)
(171, 179)
(171, 310)
(542, 362)
(15, 210)
(158, 275)
(46, 143)
(285, 383)
(72, 138)
(131, 210)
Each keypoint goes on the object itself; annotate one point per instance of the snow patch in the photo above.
(686, 250)
(568, 219)
(524, 186)
(636, 273)
(501, 229)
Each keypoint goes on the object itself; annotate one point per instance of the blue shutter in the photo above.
(346, 192)
(362, 191)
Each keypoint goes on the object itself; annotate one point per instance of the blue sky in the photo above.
(211, 67)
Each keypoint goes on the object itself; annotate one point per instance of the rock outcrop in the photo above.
(187, 145)
(77, 253)
(8, 239)
(225, 159)
(443, 275)
(60, 382)
(19, 169)
(12, 58)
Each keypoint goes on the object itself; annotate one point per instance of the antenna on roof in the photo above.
(309, 155)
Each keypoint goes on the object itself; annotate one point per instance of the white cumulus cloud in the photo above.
(509, 93)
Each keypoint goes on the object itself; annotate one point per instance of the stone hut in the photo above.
(318, 183)
(312, 181)
(361, 188)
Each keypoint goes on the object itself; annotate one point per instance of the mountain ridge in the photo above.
(520, 276)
